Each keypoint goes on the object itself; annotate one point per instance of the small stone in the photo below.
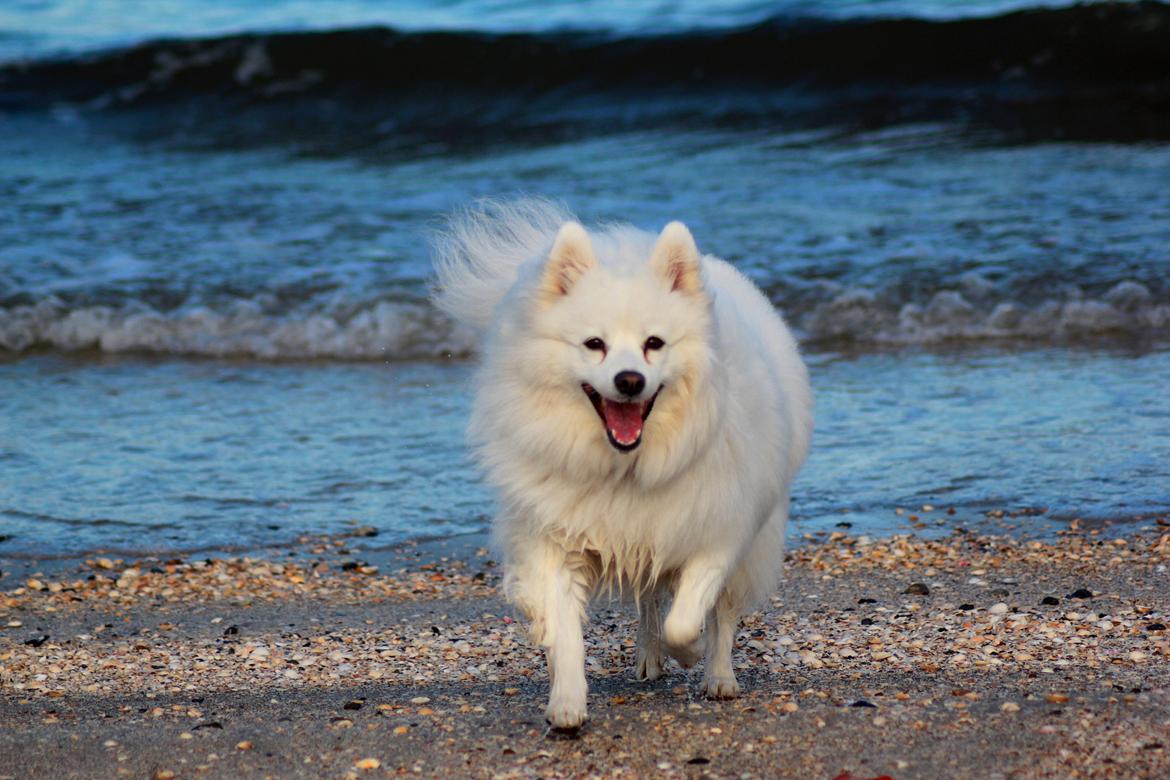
(1137, 655)
(1081, 593)
(1009, 706)
(998, 609)
(244, 745)
(354, 704)
(367, 763)
(788, 706)
(863, 703)
(1050, 601)
(917, 589)
(420, 700)
(1056, 698)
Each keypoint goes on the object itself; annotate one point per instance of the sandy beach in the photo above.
(967, 656)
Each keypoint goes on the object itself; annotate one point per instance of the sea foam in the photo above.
(413, 330)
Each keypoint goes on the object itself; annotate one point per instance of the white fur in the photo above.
(696, 513)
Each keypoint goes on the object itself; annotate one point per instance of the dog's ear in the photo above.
(676, 259)
(571, 256)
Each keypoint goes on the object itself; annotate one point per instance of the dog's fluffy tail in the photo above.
(479, 254)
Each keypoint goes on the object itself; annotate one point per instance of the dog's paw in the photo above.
(686, 655)
(721, 687)
(565, 714)
(680, 630)
(649, 664)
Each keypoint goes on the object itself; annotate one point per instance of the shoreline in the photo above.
(1024, 524)
(904, 656)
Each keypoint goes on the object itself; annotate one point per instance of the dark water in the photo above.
(213, 252)
(36, 28)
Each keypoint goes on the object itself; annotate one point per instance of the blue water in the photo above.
(135, 455)
(214, 317)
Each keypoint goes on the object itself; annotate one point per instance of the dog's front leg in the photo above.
(565, 591)
(699, 584)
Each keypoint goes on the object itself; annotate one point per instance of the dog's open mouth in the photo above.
(623, 421)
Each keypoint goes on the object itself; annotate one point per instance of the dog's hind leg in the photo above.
(719, 677)
(562, 586)
(649, 662)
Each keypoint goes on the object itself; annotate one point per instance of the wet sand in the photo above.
(966, 656)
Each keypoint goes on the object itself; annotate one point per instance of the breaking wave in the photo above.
(1127, 311)
(379, 331)
(1062, 68)
(415, 331)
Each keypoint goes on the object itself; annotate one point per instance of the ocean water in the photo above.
(36, 28)
(214, 326)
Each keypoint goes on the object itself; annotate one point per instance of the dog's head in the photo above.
(624, 321)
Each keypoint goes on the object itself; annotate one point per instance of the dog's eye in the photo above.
(654, 343)
(595, 344)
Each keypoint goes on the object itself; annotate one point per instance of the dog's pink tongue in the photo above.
(623, 420)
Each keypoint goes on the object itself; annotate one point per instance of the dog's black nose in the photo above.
(629, 382)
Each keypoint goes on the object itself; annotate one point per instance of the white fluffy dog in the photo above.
(641, 410)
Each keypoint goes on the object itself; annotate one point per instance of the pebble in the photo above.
(917, 589)
(999, 608)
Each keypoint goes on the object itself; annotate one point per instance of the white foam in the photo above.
(343, 330)
(384, 330)
(1127, 310)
